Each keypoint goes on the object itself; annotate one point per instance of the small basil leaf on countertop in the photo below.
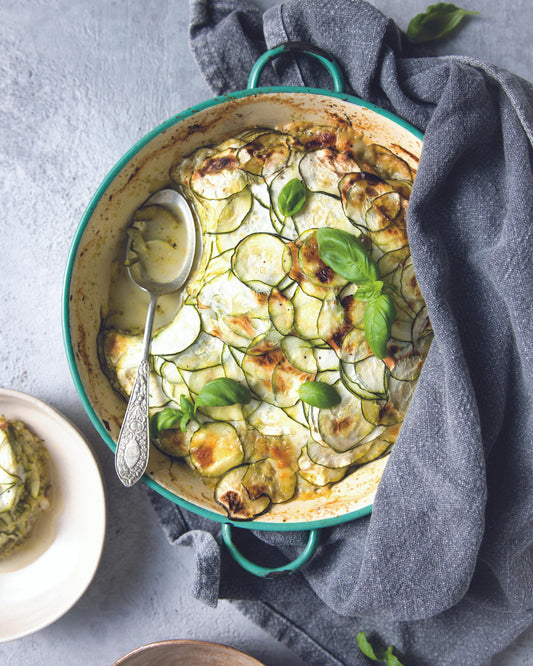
(292, 197)
(436, 22)
(223, 392)
(319, 394)
(378, 320)
(345, 254)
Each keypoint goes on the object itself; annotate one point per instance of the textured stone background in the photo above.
(80, 82)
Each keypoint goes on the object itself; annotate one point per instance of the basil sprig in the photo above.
(292, 197)
(319, 394)
(385, 656)
(436, 22)
(216, 393)
(346, 255)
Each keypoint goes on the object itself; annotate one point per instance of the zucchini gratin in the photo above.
(25, 487)
(264, 309)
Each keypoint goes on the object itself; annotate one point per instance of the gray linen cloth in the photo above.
(443, 568)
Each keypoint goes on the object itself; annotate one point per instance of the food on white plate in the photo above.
(301, 332)
(25, 487)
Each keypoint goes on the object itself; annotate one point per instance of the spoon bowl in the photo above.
(157, 263)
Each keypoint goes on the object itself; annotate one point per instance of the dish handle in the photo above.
(266, 572)
(298, 47)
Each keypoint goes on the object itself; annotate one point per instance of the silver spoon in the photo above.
(131, 455)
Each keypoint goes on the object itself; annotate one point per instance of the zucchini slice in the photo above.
(322, 168)
(324, 457)
(233, 496)
(182, 331)
(174, 442)
(299, 353)
(306, 313)
(286, 380)
(312, 266)
(227, 296)
(322, 210)
(265, 154)
(383, 211)
(261, 261)
(234, 211)
(270, 420)
(332, 325)
(387, 165)
(265, 477)
(281, 311)
(205, 352)
(219, 176)
(358, 191)
(215, 448)
(342, 427)
(368, 377)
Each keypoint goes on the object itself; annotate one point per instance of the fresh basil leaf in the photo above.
(378, 320)
(392, 660)
(365, 646)
(368, 291)
(183, 422)
(319, 394)
(186, 406)
(292, 197)
(345, 254)
(164, 420)
(223, 392)
(436, 22)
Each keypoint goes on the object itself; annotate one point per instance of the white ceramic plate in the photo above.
(49, 573)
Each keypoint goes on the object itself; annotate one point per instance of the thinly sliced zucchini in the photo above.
(368, 377)
(226, 295)
(233, 496)
(374, 450)
(297, 413)
(174, 390)
(258, 365)
(409, 286)
(286, 380)
(247, 327)
(169, 371)
(387, 165)
(325, 457)
(261, 261)
(182, 331)
(265, 154)
(322, 210)
(257, 221)
(233, 213)
(354, 309)
(355, 347)
(281, 311)
(326, 359)
(321, 169)
(358, 192)
(215, 448)
(126, 371)
(383, 211)
(265, 477)
(332, 325)
(219, 176)
(306, 313)
(205, 352)
(198, 379)
(342, 427)
(312, 266)
(299, 353)
(212, 325)
(393, 236)
(392, 260)
(174, 442)
(270, 420)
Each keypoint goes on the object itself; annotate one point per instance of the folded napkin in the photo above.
(443, 568)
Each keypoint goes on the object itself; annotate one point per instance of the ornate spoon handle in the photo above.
(133, 444)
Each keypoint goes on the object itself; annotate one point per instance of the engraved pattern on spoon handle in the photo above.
(131, 456)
